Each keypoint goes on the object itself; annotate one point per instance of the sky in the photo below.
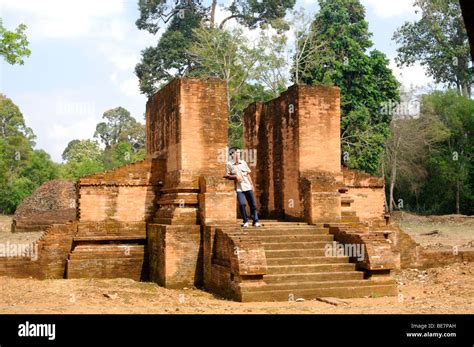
(84, 53)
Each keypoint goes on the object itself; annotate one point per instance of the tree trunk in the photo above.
(458, 202)
(384, 192)
(392, 188)
(213, 13)
(393, 178)
(465, 91)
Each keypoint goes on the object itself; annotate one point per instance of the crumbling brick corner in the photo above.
(54, 202)
(233, 261)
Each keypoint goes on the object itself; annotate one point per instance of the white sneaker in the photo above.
(257, 225)
(246, 225)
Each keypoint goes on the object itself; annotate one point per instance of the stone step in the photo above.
(287, 231)
(302, 269)
(314, 277)
(284, 226)
(108, 261)
(375, 290)
(352, 219)
(295, 238)
(306, 260)
(312, 285)
(296, 245)
(109, 237)
(291, 253)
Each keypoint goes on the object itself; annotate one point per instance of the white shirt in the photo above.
(242, 170)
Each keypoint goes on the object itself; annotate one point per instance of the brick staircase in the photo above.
(298, 268)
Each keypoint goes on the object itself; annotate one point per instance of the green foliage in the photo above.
(40, 168)
(228, 55)
(171, 58)
(339, 57)
(449, 184)
(76, 169)
(123, 140)
(253, 13)
(250, 13)
(22, 169)
(439, 41)
(121, 154)
(119, 125)
(81, 150)
(14, 44)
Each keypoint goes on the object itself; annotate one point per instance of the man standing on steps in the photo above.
(238, 170)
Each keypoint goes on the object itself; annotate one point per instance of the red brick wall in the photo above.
(175, 255)
(367, 192)
(187, 125)
(319, 128)
(297, 132)
(126, 194)
(251, 124)
(121, 203)
(50, 255)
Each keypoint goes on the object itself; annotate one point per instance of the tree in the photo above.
(81, 150)
(435, 177)
(121, 154)
(14, 44)
(272, 62)
(77, 169)
(412, 139)
(170, 58)
(40, 168)
(439, 42)
(12, 122)
(22, 169)
(341, 58)
(305, 44)
(118, 121)
(451, 165)
(250, 13)
(228, 55)
(124, 143)
(135, 136)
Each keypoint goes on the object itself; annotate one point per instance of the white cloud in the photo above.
(59, 116)
(128, 86)
(386, 9)
(415, 75)
(67, 19)
(58, 8)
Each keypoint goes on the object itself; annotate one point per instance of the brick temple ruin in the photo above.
(172, 218)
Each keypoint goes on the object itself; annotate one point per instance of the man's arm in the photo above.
(250, 180)
(233, 177)
(229, 176)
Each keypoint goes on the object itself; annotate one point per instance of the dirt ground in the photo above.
(439, 290)
(446, 231)
(442, 290)
(6, 236)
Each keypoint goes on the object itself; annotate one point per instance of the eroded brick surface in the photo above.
(53, 202)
